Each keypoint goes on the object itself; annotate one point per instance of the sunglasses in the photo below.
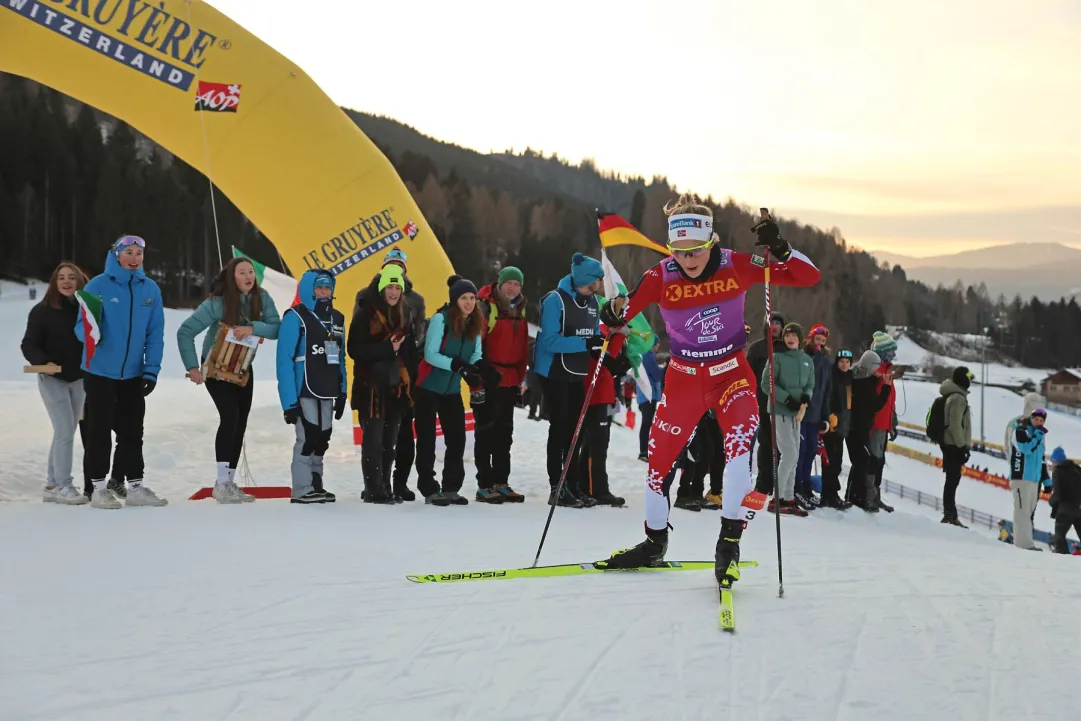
(129, 240)
(691, 251)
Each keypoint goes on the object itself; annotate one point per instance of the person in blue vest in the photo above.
(569, 334)
(122, 327)
(312, 381)
(1027, 473)
(452, 351)
(648, 406)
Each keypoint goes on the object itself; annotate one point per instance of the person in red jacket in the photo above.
(592, 452)
(506, 347)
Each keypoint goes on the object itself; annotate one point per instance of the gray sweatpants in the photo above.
(313, 439)
(1026, 494)
(64, 403)
(788, 437)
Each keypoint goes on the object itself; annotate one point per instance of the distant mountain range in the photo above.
(1048, 271)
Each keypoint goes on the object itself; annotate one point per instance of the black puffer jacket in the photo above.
(841, 399)
(50, 338)
(1066, 493)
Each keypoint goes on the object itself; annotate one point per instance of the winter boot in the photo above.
(711, 502)
(649, 552)
(455, 498)
(566, 498)
(586, 500)
(607, 498)
(688, 504)
(880, 503)
(490, 495)
(726, 557)
(403, 493)
(378, 494)
(437, 499)
(117, 486)
(833, 501)
(317, 486)
(643, 457)
(509, 494)
(140, 495)
(952, 519)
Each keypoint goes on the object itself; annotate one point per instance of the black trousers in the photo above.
(233, 403)
(648, 410)
(451, 414)
(493, 437)
(953, 460)
(861, 460)
(406, 450)
(831, 474)
(378, 446)
(114, 406)
(591, 457)
(764, 482)
(564, 401)
(1062, 527)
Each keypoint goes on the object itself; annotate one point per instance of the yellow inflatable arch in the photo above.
(216, 96)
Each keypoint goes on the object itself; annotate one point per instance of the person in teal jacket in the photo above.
(452, 350)
(237, 301)
(121, 324)
(1027, 472)
(312, 381)
(793, 382)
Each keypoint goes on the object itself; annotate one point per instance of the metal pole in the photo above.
(983, 387)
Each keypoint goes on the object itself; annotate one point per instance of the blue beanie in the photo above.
(1058, 455)
(585, 270)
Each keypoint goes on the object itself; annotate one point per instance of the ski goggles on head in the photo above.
(1039, 413)
(127, 240)
(844, 354)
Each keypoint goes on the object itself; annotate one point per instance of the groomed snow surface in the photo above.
(273, 611)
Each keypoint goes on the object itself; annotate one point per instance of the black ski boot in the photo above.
(317, 486)
(726, 568)
(647, 553)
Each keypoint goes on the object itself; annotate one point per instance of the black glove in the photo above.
(339, 408)
(769, 235)
(459, 366)
(594, 343)
(148, 386)
(610, 317)
(491, 375)
(617, 365)
(292, 415)
(805, 400)
(792, 404)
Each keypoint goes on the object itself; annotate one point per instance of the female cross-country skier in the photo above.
(701, 290)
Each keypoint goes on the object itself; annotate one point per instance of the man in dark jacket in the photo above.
(414, 306)
(757, 356)
(956, 439)
(1065, 498)
(840, 422)
(867, 401)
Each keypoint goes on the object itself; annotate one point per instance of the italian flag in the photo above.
(90, 317)
(281, 287)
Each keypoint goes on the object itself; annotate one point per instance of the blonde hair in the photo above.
(687, 203)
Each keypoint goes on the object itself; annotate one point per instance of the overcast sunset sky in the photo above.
(923, 128)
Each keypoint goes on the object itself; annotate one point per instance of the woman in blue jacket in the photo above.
(452, 349)
(237, 301)
(122, 327)
(312, 380)
(1027, 472)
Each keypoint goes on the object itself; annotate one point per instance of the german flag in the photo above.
(614, 231)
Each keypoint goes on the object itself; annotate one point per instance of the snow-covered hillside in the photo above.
(911, 353)
(274, 611)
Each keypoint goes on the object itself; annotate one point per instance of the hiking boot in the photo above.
(688, 504)
(711, 502)
(436, 499)
(490, 495)
(455, 499)
(509, 494)
(953, 520)
(566, 498)
(649, 552)
(609, 499)
(402, 493)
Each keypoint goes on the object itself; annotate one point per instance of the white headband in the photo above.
(690, 226)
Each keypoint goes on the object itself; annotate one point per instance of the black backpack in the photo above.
(936, 420)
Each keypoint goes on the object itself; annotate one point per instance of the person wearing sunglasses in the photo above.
(701, 290)
(1027, 473)
(122, 327)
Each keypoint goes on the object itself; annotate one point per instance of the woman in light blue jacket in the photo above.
(237, 301)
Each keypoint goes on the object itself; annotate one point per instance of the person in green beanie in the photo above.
(506, 350)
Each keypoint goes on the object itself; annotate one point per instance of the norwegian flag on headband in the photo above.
(217, 97)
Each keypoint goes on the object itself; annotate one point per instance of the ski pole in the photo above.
(773, 421)
(570, 451)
